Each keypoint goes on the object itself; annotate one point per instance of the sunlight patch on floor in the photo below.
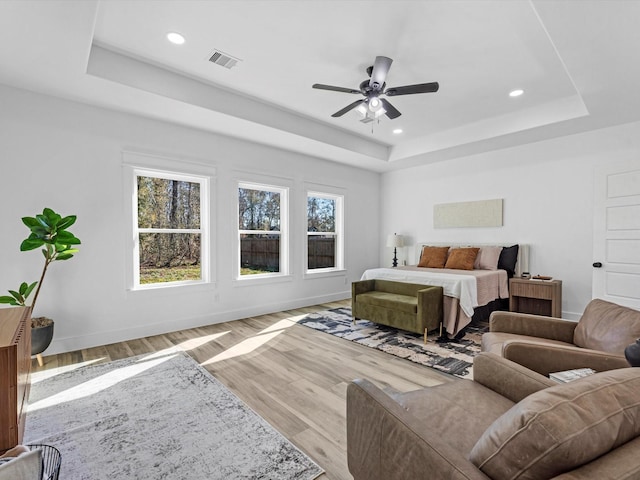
(194, 343)
(252, 343)
(243, 348)
(52, 372)
(98, 384)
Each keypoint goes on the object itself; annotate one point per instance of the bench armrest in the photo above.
(362, 286)
(532, 325)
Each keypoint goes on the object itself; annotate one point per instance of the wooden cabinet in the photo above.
(539, 297)
(15, 373)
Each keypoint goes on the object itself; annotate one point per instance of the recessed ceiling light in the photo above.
(516, 93)
(397, 130)
(176, 38)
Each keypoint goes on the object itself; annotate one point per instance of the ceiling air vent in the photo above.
(221, 58)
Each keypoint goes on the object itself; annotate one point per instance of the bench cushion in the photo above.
(403, 303)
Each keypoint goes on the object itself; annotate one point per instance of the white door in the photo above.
(616, 243)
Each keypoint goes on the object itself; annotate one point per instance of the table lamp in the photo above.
(395, 241)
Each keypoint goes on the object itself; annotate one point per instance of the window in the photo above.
(262, 219)
(324, 232)
(170, 234)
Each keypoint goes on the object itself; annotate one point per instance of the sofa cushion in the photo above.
(461, 258)
(450, 412)
(403, 303)
(607, 327)
(562, 427)
(433, 257)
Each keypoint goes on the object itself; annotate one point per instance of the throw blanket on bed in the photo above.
(471, 287)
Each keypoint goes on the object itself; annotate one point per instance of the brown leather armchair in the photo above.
(509, 422)
(547, 344)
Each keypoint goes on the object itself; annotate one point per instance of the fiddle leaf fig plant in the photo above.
(48, 230)
(20, 297)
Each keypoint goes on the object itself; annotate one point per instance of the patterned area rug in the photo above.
(454, 357)
(157, 416)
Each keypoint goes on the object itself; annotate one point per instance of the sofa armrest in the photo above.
(507, 378)
(385, 441)
(532, 325)
(545, 358)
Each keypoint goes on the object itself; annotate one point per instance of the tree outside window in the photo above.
(169, 228)
(324, 240)
(261, 211)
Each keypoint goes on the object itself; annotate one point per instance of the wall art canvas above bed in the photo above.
(482, 213)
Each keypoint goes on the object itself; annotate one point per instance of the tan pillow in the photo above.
(487, 258)
(433, 257)
(462, 258)
(607, 327)
(562, 427)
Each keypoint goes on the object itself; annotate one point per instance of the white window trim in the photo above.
(140, 164)
(338, 233)
(284, 273)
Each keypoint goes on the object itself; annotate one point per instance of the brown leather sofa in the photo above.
(508, 423)
(547, 344)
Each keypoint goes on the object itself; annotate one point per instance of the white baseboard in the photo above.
(70, 344)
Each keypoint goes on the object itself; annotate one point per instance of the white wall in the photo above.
(68, 157)
(548, 192)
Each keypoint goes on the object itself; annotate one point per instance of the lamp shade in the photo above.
(395, 241)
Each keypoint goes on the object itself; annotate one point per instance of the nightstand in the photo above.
(539, 297)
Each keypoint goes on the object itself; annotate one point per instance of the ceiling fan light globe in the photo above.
(374, 103)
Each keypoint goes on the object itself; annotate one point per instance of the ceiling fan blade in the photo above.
(334, 89)
(379, 73)
(390, 110)
(411, 89)
(339, 113)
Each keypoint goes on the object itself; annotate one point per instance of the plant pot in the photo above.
(41, 337)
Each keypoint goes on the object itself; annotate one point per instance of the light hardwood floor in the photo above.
(293, 376)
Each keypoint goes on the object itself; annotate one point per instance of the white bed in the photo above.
(464, 290)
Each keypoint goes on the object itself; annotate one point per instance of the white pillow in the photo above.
(487, 258)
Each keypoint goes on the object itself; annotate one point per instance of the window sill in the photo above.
(172, 289)
(324, 273)
(261, 279)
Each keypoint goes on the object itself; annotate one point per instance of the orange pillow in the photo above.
(433, 257)
(462, 258)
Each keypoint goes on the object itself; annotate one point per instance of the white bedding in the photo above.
(456, 285)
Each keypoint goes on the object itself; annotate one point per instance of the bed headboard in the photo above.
(522, 264)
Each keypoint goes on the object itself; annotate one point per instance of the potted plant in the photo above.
(48, 230)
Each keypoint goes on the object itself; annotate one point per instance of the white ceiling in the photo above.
(577, 61)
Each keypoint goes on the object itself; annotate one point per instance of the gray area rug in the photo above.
(454, 357)
(157, 416)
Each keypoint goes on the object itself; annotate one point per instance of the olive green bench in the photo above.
(407, 306)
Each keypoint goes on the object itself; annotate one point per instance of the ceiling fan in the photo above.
(374, 87)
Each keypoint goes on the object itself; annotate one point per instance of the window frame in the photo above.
(136, 165)
(338, 233)
(284, 264)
